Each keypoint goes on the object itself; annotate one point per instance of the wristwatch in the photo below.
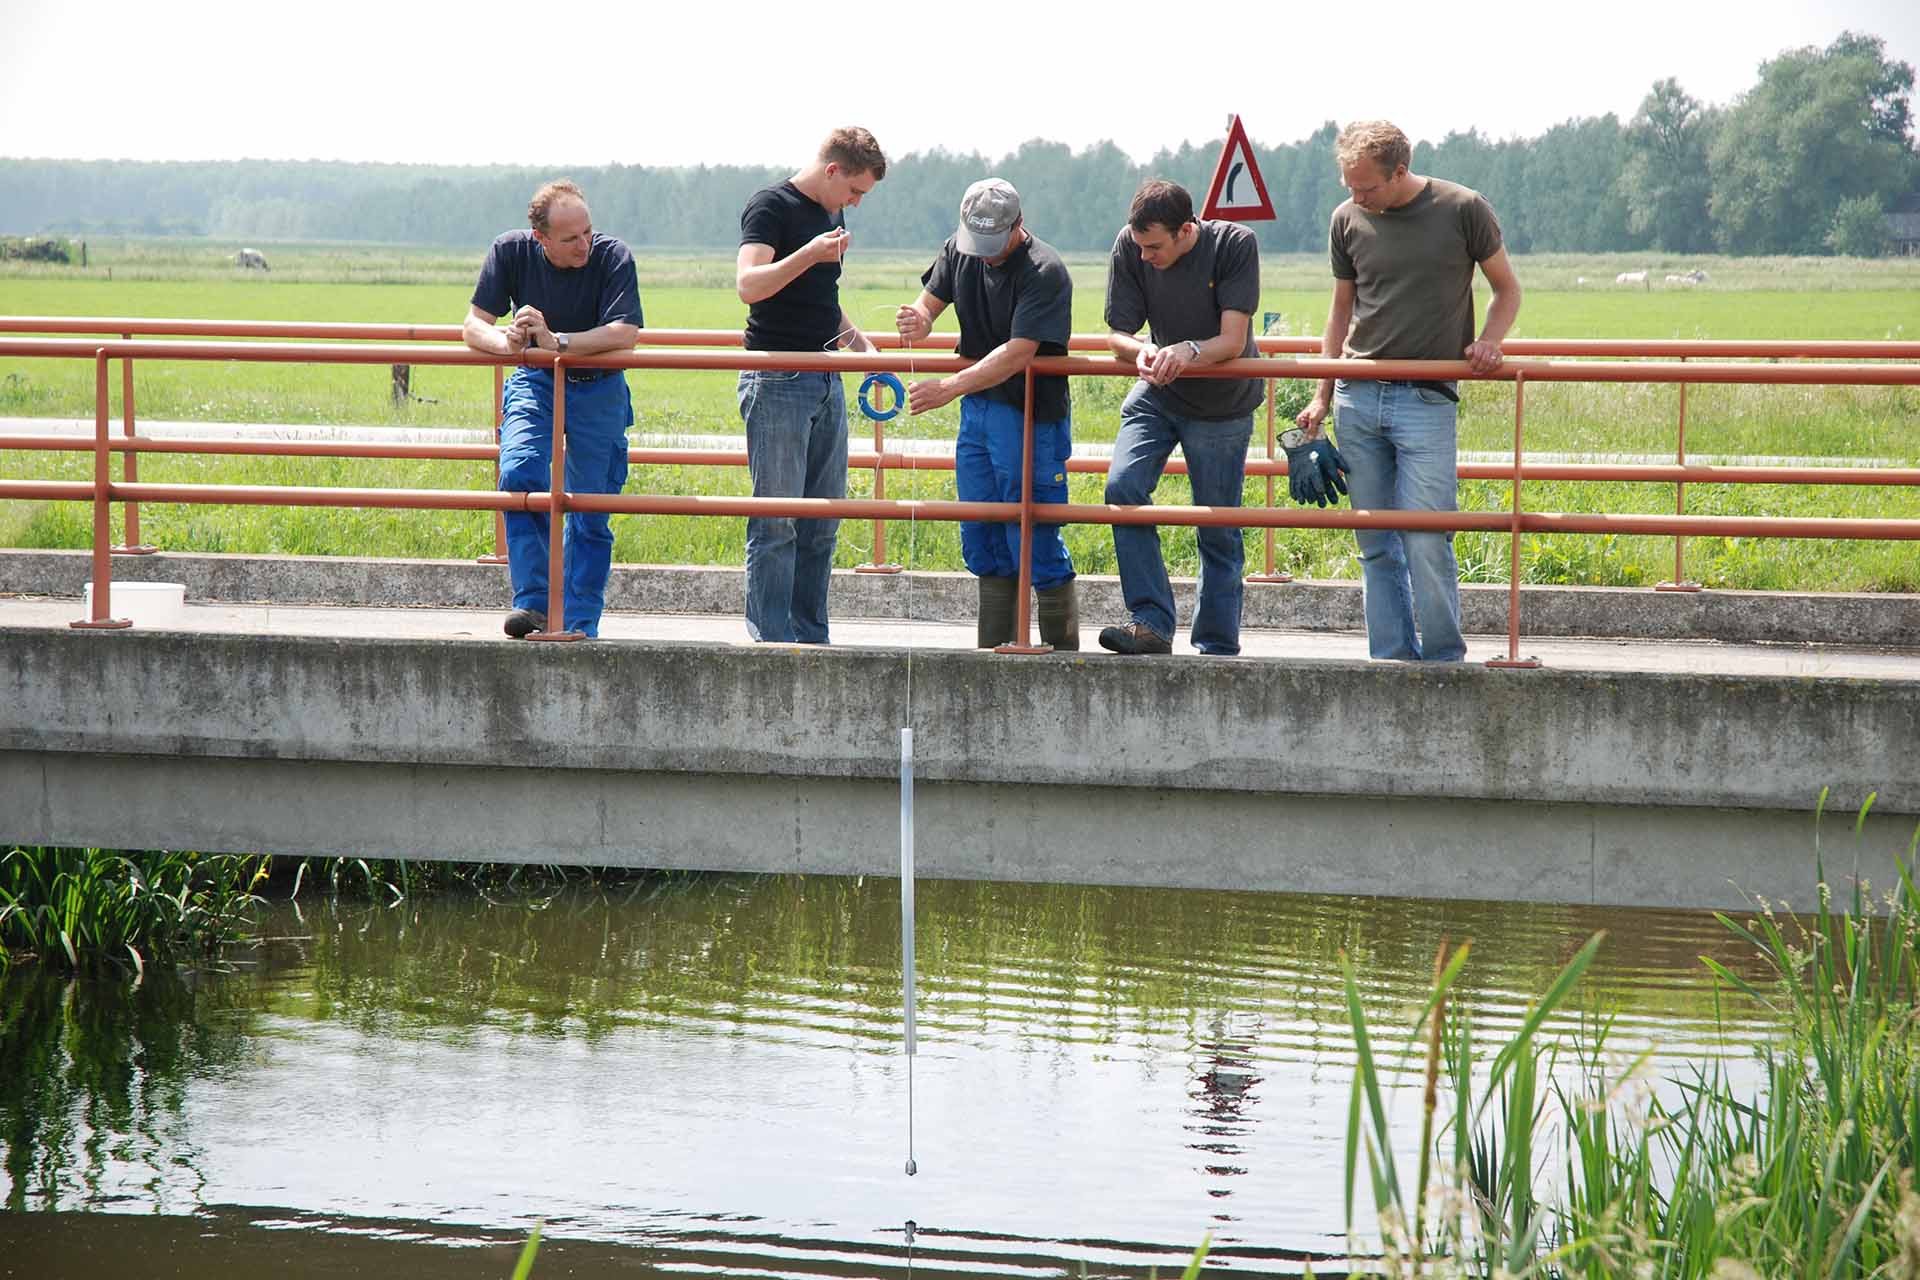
(560, 343)
(1193, 347)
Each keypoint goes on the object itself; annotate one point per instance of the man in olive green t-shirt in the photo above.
(1404, 249)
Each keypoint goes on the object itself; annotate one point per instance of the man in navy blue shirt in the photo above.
(793, 237)
(573, 293)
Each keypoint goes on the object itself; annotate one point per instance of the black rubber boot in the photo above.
(1060, 616)
(996, 612)
(522, 623)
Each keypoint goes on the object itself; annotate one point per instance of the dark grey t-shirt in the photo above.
(1412, 269)
(1030, 295)
(1221, 272)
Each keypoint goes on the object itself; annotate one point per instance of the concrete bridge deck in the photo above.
(1628, 770)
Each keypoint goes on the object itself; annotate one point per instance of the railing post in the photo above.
(1680, 582)
(557, 518)
(130, 465)
(1023, 593)
(1513, 658)
(879, 562)
(99, 618)
(499, 555)
(1271, 575)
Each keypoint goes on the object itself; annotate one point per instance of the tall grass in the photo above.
(93, 908)
(1811, 1174)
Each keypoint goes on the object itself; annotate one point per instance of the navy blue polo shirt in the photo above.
(604, 291)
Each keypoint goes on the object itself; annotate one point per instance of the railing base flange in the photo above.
(1269, 577)
(1687, 587)
(101, 624)
(1516, 664)
(876, 568)
(489, 559)
(1023, 648)
(555, 635)
(136, 549)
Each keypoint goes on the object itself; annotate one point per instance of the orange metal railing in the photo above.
(880, 461)
(103, 491)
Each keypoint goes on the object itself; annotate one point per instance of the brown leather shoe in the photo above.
(1135, 637)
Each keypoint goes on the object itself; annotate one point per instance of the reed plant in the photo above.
(1557, 1160)
(89, 909)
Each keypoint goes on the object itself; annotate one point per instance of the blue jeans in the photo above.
(598, 415)
(987, 467)
(1400, 442)
(796, 448)
(1216, 454)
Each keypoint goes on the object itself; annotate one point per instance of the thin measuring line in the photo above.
(907, 965)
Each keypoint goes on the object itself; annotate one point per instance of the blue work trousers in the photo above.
(987, 457)
(1215, 450)
(598, 415)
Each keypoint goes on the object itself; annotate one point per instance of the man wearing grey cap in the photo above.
(1014, 300)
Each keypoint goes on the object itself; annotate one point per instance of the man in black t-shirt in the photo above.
(793, 237)
(1015, 301)
(1195, 285)
(571, 292)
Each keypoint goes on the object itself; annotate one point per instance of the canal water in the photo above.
(705, 1076)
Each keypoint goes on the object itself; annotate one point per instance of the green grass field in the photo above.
(1746, 298)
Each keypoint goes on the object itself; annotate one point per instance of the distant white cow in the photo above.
(251, 260)
(1631, 277)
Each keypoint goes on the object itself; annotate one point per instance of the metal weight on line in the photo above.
(891, 383)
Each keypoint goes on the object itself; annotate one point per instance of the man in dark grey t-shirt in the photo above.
(1195, 286)
(1404, 249)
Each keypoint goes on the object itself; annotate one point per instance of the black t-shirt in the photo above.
(604, 291)
(1030, 295)
(804, 316)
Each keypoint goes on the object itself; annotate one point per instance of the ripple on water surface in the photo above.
(713, 1076)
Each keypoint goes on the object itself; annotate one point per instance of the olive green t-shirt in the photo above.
(1412, 269)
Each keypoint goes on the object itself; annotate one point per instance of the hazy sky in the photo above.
(741, 81)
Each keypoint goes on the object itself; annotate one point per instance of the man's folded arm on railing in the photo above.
(481, 331)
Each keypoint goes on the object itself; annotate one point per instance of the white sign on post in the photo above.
(1238, 194)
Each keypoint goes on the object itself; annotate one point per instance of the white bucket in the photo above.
(145, 604)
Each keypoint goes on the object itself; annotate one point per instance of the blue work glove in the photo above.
(1316, 472)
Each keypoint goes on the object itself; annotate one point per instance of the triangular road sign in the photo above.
(1237, 193)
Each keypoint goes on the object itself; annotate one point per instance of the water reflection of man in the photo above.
(1223, 1097)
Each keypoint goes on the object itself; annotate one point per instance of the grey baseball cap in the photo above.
(987, 214)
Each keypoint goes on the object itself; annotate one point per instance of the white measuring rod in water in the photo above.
(906, 921)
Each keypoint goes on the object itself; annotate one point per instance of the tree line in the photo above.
(1807, 161)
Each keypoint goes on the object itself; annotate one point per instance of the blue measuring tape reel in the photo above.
(891, 383)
